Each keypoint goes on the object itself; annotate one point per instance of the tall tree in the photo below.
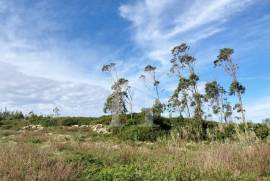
(115, 103)
(182, 62)
(224, 60)
(151, 72)
(130, 94)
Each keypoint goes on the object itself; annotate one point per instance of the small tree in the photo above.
(180, 99)
(215, 94)
(224, 60)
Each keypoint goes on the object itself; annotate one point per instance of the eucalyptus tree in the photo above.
(183, 62)
(228, 110)
(116, 101)
(111, 69)
(150, 78)
(129, 100)
(177, 104)
(56, 111)
(215, 95)
(126, 94)
(224, 60)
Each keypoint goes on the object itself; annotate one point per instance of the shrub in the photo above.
(48, 122)
(138, 133)
(261, 131)
(69, 121)
(229, 131)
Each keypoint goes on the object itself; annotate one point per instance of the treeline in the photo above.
(186, 99)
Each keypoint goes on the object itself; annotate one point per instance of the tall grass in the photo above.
(28, 162)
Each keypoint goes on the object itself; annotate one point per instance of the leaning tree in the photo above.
(182, 62)
(224, 60)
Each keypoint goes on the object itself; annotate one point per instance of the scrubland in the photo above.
(173, 150)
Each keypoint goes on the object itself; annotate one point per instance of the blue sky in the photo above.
(52, 51)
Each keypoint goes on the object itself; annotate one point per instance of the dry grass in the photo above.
(159, 161)
(234, 158)
(27, 162)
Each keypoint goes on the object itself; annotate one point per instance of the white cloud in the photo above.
(259, 109)
(39, 70)
(22, 92)
(159, 25)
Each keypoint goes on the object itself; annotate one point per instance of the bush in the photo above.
(69, 121)
(48, 122)
(138, 133)
(261, 131)
(229, 131)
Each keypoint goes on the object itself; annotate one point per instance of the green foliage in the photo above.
(158, 108)
(119, 172)
(182, 62)
(69, 121)
(236, 87)
(229, 130)
(11, 115)
(224, 55)
(36, 141)
(261, 131)
(138, 133)
(97, 169)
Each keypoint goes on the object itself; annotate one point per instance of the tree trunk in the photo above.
(131, 116)
(242, 108)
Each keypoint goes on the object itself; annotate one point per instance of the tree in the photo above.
(116, 102)
(56, 111)
(179, 104)
(180, 99)
(130, 94)
(224, 60)
(110, 68)
(151, 72)
(182, 61)
(215, 94)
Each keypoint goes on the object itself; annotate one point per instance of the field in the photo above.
(67, 151)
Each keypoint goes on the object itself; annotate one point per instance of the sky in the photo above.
(51, 52)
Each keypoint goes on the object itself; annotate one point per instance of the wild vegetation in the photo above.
(125, 145)
(173, 149)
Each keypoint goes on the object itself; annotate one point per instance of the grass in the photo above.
(62, 153)
(65, 157)
(28, 162)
